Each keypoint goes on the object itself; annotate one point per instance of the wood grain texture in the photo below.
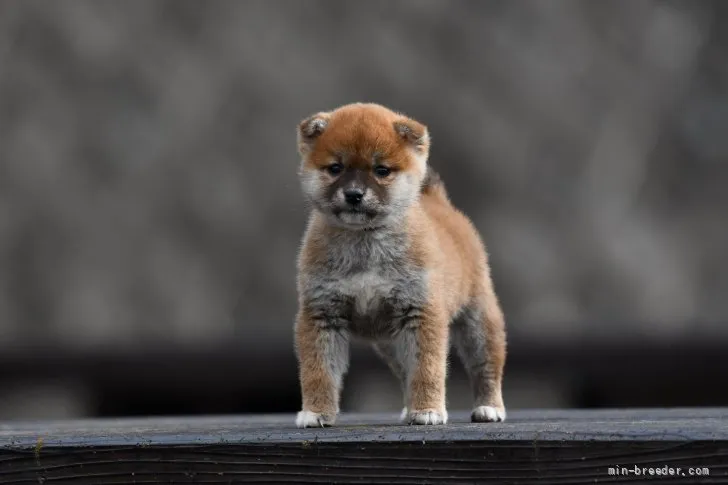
(532, 446)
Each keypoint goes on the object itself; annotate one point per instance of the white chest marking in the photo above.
(367, 289)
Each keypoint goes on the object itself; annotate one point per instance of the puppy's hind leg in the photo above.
(394, 355)
(480, 340)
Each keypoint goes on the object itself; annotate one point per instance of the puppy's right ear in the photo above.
(309, 130)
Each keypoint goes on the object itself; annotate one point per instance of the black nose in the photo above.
(353, 195)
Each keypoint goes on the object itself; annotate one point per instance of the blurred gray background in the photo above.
(150, 212)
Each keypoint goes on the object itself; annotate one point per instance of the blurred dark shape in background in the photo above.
(150, 211)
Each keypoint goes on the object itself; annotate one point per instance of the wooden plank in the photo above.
(559, 446)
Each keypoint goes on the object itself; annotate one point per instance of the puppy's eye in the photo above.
(382, 171)
(335, 168)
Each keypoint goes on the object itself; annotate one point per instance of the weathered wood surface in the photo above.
(554, 446)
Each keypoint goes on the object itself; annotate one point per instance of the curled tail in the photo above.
(433, 185)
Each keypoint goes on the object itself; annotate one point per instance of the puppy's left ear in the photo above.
(414, 133)
(310, 129)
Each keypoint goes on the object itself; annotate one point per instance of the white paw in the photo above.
(309, 419)
(404, 415)
(488, 414)
(427, 416)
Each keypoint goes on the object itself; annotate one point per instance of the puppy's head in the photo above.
(362, 165)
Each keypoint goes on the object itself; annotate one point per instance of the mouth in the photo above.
(354, 210)
(355, 215)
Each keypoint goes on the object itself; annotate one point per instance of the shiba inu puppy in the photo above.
(386, 257)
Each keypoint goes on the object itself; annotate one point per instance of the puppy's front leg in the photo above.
(322, 348)
(427, 369)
